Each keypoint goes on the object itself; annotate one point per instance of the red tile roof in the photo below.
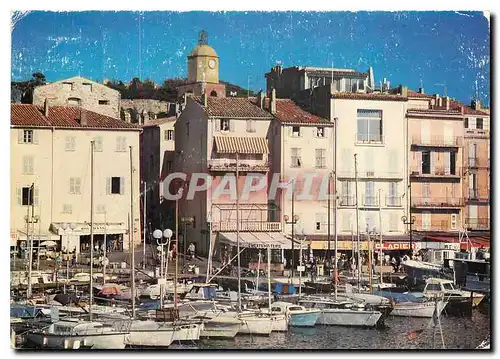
(232, 107)
(467, 109)
(288, 111)
(159, 121)
(416, 94)
(59, 116)
(368, 96)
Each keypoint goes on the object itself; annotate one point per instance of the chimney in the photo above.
(476, 105)
(83, 117)
(46, 108)
(261, 97)
(437, 100)
(446, 103)
(404, 91)
(421, 90)
(127, 116)
(272, 102)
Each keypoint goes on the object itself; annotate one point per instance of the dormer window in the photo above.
(295, 131)
(73, 101)
(320, 132)
(225, 125)
(68, 86)
(87, 86)
(103, 102)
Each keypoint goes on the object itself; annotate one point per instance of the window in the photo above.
(87, 86)
(98, 144)
(75, 185)
(347, 198)
(115, 185)
(320, 132)
(27, 136)
(68, 86)
(169, 135)
(393, 197)
(103, 102)
(67, 208)
(296, 159)
(121, 144)
(250, 126)
(466, 122)
(319, 224)
(70, 143)
(225, 125)
(295, 131)
(454, 221)
(27, 196)
(426, 190)
(426, 162)
(434, 287)
(479, 123)
(346, 221)
(74, 101)
(28, 165)
(426, 221)
(369, 126)
(453, 166)
(393, 222)
(370, 199)
(169, 166)
(320, 158)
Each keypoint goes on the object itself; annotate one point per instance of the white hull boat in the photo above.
(349, 317)
(220, 327)
(78, 335)
(279, 323)
(419, 310)
(187, 332)
(255, 324)
(150, 334)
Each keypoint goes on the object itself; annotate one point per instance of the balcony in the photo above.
(436, 202)
(475, 195)
(436, 141)
(229, 165)
(246, 226)
(370, 174)
(369, 201)
(435, 226)
(476, 162)
(347, 201)
(369, 139)
(393, 201)
(477, 223)
(439, 172)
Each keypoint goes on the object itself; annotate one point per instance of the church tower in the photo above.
(203, 71)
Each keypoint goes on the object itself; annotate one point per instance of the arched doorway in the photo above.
(213, 93)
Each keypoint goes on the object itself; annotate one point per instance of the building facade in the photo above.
(51, 149)
(80, 92)
(141, 111)
(157, 162)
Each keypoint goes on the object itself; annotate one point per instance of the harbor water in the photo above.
(458, 333)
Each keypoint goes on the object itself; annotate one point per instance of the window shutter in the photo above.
(78, 188)
(290, 131)
(35, 197)
(432, 158)
(25, 164)
(231, 125)
(217, 125)
(122, 185)
(20, 136)
(108, 185)
(446, 159)
(118, 143)
(20, 196)
(325, 131)
(35, 137)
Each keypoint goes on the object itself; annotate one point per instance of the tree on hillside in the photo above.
(25, 88)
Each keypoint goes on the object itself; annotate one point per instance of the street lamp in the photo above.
(160, 240)
(72, 227)
(409, 223)
(295, 218)
(185, 221)
(30, 220)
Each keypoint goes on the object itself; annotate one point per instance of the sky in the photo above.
(445, 52)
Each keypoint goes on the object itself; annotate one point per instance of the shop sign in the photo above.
(348, 245)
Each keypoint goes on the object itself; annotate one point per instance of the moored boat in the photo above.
(298, 315)
(416, 309)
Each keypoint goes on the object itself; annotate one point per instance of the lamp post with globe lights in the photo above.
(162, 239)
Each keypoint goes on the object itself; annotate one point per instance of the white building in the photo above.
(51, 148)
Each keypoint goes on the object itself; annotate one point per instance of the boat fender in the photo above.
(76, 344)
(66, 344)
(45, 341)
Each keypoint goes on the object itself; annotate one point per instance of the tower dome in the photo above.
(203, 50)
(203, 62)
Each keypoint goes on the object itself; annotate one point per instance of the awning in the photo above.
(363, 245)
(245, 145)
(274, 240)
(83, 229)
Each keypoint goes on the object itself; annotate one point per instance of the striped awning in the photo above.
(246, 145)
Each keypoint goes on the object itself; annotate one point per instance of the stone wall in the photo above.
(142, 110)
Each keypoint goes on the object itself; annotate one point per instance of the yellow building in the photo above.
(51, 149)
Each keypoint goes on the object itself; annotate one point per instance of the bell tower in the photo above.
(203, 62)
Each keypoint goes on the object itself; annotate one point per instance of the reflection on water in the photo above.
(458, 333)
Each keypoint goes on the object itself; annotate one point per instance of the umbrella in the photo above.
(48, 243)
(110, 289)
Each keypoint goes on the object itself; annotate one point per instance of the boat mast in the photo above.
(177, 252)
(238, 227)
(30, 219)
(380, 229)
(131, 232)
(144, 228)
(269, 276)
(92, 144)
(336, 272)
(358, 267)
(105, 247)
